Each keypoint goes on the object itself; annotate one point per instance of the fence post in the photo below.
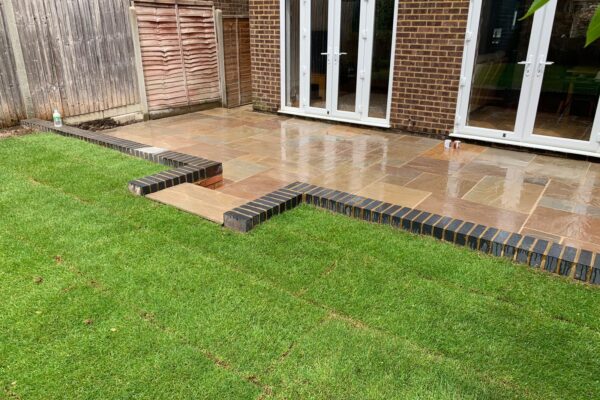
(139, 65)
(15, 43)
(221, 55)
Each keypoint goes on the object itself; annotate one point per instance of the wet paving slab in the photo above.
(546, 197)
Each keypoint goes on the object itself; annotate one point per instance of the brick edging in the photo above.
(188, 168)
(578, 264)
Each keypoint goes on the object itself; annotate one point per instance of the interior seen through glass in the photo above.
(571, 84)
(292, 48)
(348, 54)
(502, 43)
(348, 61)
(318, 53)
(381, 58)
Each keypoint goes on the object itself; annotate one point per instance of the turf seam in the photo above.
(262, 279)
(134, 313)
(99, 205)
(448, 284)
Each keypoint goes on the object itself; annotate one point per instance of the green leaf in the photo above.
(593, 32)
(537, 4)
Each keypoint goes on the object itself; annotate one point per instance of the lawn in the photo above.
(110, 296)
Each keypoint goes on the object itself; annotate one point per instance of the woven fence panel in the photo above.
(179, 55)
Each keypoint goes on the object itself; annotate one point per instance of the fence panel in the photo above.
(11, 105)
(179, 54)
(78, 55)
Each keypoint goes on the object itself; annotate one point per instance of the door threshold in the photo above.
(374, 123)
(527, 145)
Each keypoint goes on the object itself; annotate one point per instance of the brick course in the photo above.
(427, 66)
(429, 49)
(577, 264)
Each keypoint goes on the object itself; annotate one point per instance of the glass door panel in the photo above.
(319, 52)
(292, 55)
(503, 59)
(346, 54)
(570, 86)
(383, 28)
(332, 40)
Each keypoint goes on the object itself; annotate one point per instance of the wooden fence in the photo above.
(76, 56)
(179, 53)
(11, 105)
(100, 58)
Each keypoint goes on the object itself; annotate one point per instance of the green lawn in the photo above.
(109, 296)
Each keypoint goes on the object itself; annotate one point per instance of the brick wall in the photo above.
(427, 66)
(429, 47)
(264, 46)
(232, 8)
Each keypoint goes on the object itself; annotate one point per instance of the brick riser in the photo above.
(187, 168)
(578, 264)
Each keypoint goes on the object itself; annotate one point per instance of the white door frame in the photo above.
(593, 144)
(337, 54)
(363, 65)
(305, 59)
(530, 91)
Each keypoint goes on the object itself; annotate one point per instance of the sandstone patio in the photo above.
(543, 196)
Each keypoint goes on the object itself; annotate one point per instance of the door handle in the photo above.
(542, 64)
(328, 58)
(527, 65)
(342, 54)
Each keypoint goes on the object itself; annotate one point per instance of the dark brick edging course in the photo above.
(251, 214)
(580, 265)
(188, 168)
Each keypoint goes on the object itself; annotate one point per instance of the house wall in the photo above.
(429, 47)
(232, 8)
(264, 49)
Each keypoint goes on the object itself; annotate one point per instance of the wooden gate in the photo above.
(179, 54)
(238, 73)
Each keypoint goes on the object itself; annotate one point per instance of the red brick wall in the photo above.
(427, 66)
(232, 8)
(264, 46)
(429, 46)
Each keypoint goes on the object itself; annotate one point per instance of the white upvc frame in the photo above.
(364, 41)
(364, 61)
(593, 144)
(523, 134)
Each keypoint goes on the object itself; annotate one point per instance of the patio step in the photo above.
(206, 203)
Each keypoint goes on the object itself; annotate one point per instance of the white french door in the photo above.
(333, 57)
(531, 81)
(337, 76)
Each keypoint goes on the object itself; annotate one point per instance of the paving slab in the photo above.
(206, 203)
